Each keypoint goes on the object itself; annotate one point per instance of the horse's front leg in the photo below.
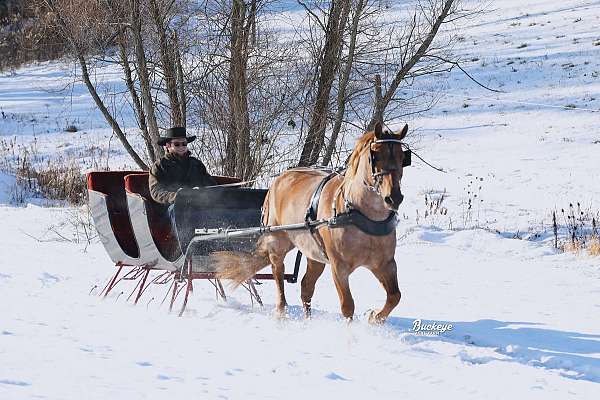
(314, 269)
(341, 272)
(386, 274)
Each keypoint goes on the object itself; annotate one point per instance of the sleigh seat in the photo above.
(109, 209)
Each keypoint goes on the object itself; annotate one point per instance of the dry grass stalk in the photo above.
(594, 246)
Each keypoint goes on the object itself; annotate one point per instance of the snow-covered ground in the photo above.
(525, 318)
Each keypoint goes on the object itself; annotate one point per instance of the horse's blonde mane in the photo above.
(361, 146)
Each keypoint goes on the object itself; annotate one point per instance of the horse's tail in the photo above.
(239, 266)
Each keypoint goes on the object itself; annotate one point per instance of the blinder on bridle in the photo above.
(406, 161)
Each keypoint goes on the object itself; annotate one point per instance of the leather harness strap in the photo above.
(313, 206)
(364, 223)
(312, 211)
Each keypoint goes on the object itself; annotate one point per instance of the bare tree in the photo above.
(344, 78)
(135, 24)
(135, 98)
(327, 67)
(415, 45)
(242, 24)
(149, 50)
(241, 55)
(71, 19)
(180, 79)
(170, 59)
(382, 53)
(258, 95)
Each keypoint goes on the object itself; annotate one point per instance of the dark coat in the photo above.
(172, 173)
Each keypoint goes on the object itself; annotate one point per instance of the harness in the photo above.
(351, 216)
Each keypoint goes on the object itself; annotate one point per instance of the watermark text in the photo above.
(431, 328)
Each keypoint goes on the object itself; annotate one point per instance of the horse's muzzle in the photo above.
(394, 201)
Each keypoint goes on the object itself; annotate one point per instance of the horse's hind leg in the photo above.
(278, 275)
(341, 274)
(314, 269)
(386, 274)
(276, 246)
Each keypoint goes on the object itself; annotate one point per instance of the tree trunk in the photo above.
(168, 63)
(139, 110)
(379, 108)
(328, 66)
(142, 69)
(109, 118)
(180, 80)
(238, 159)
(344, 78)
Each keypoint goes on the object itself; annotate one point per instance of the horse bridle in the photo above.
(378, 175)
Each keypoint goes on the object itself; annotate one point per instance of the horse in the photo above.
(370, 185)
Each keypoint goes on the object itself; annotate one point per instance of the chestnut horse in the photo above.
(371, 185)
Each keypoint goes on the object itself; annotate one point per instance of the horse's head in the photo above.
(388, 155)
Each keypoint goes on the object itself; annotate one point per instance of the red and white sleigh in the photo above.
(138, 237)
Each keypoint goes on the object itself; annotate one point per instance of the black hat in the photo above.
(177, 132)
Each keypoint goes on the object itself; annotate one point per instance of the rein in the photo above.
(426, 163)
(407, 156)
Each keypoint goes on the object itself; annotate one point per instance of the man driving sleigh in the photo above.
(177, 169)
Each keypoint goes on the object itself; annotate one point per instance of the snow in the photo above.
(514, 333)
(524, 316)
(7, 183)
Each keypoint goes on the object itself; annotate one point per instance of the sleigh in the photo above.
(139, 238)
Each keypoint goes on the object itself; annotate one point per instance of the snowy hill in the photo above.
(524, 316)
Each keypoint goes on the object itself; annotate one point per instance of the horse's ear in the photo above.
(377, 130)
(403, 132)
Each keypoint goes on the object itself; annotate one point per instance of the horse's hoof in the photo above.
(307, 312)
(280, 314)
(374, 319)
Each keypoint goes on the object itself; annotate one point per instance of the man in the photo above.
(176, 169)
